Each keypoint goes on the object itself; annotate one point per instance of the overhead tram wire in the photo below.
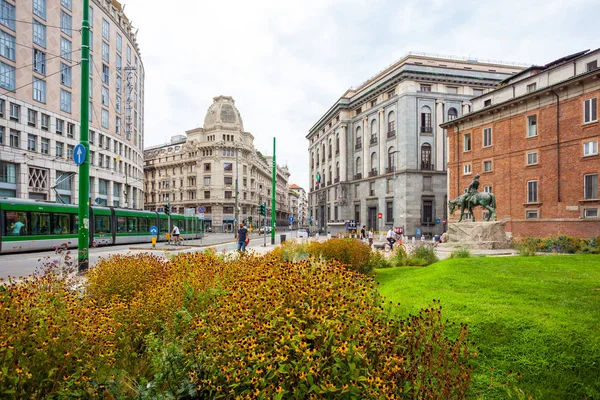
(47, 26)
(47, 59)
(32, 82)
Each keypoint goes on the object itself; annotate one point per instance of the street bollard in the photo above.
(153, 241)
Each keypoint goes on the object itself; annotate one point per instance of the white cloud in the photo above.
(286, 63)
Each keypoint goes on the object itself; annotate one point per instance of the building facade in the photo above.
(298, 205)
(378, 157)
(202, 168)
(40, 79)
(534, 141)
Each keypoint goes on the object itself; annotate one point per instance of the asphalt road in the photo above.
(24, 264)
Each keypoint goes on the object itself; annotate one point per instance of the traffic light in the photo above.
(168, 209)
(250, 219)
(262, 209)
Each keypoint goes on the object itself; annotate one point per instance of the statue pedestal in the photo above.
(485, 235)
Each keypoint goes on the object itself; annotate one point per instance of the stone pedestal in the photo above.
(489, 235)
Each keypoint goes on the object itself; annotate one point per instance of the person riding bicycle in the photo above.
(391, 237)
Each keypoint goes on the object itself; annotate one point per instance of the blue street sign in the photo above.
(153, 230)
(200, 209)
(418, 232)
(291, 219)
(438, 221)
(79, 154)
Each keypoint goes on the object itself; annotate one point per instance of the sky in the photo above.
(286, 63)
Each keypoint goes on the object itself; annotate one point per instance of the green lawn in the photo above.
(538, 316)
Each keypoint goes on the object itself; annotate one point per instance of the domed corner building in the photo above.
(40, 102)
(199, 169)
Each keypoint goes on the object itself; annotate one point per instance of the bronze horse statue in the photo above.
(468, 201)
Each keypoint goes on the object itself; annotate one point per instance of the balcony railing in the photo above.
(373, 172)
(357, 176)
(391, 134)
(427, 166)
(358, 146)
(336, 180)
(390, 169)
(373, 140)
(426, 129)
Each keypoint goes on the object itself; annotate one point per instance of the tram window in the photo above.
(61, 223)
(164, 225)
(102, 224)
(121, 225)
(132, 224)
(143, 225)
(16, 223)
(40, 223)
(75, 223)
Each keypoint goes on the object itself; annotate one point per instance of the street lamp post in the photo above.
(236, 196)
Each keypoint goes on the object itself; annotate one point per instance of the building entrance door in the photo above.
(372, 218)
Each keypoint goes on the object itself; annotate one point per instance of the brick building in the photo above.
(534, 141)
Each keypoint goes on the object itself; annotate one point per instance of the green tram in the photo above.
(31, 225)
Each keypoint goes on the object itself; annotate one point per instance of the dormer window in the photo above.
(531, 88)
(487, 103)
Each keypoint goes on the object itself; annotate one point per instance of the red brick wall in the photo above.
(510, 173)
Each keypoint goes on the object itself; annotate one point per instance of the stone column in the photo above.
(465, 107)
(439, 136)
(382, 141)
(365, 145)
(344, 153)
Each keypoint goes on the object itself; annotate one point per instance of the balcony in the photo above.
(337, 152)
(426, 129)
(336, 180)
(427, 166)
(391, 134)
(373, 172)
(373, 140)
(357, 176)
(358, 146)
(390, 169)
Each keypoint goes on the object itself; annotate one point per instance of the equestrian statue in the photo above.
(474, 198)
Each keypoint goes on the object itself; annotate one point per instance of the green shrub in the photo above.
(527, 246)
(461, 252)
(400, 258)
(378, 260)
(423, 255)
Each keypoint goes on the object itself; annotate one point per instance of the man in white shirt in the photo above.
(391, 237)
(176, 234)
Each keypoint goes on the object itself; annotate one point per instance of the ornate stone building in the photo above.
(378, 155)
(299, 205)
(201, 169)
(40, 76)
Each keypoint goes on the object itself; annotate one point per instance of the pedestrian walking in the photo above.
(371, 237)
(363, 233)
(243, 238)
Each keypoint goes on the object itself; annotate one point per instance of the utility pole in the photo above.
(237, 215)
(273, 181)
(83, 231)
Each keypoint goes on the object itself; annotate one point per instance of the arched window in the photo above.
(312, 160)
(373, 131)
(426, 120)
(337, 170)
(391, 159)
(317, 156)
(358, 166)
(374, 163)
(452, 114)
(358, 138)
(323, 154)
(426, 157)
(330, 148)
(391, 132)
(337, 144)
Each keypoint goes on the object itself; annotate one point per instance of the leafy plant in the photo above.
(461, 252)
(423, 255)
